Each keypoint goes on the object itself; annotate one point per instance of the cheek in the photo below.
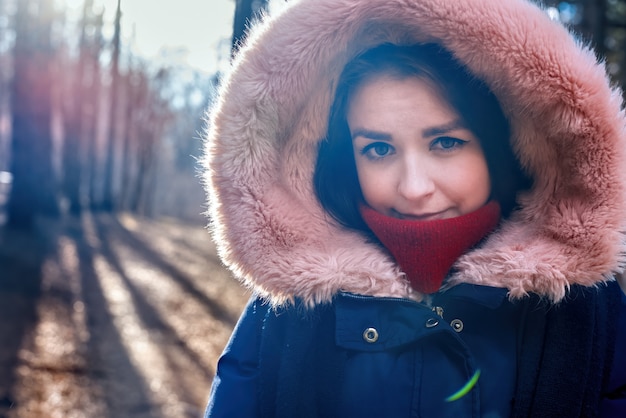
(475, 188)
(374, 185)
(369, 184)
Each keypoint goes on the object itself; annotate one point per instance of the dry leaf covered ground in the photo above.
(108, 316)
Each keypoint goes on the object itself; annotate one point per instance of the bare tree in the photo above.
(34, 185)
(151, 125)
(108, 202)
(73, 151)
(245, 12)
(594, 23)
(92, 101)
(129, 134)
(5, 70)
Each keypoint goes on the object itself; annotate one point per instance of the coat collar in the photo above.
(396, 322)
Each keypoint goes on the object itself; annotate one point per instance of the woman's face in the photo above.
(415, 160)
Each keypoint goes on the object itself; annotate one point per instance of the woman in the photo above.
(339, 223)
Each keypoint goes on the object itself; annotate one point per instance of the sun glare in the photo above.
(154, 28)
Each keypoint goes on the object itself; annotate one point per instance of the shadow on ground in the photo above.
(107, 316)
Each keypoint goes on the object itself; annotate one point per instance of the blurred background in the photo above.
(102, 102)
(113, 302)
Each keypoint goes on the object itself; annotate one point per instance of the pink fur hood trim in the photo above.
(568, 127)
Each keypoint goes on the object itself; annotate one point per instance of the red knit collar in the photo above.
(426, 250)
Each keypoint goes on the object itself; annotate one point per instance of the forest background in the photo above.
(86, 123)
(112, 299)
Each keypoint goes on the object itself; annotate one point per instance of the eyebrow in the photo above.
(426, 133)
(369, 134)
(443, 129)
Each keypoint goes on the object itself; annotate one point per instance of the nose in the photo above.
(416, 181)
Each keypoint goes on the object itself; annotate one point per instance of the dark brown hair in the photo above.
(335, 179)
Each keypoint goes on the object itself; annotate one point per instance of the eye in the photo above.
(447, 143)
(377, 150)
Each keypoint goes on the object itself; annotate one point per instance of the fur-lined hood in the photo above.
(568, 129)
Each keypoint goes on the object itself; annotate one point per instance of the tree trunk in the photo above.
(75, 123)
(4, 97)
(245, 12)
(108, 203)
(594, 24)
(92, 109)
(129, 108)
(34, 180)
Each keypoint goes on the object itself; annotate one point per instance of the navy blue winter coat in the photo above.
(540, 315)
(385, 357)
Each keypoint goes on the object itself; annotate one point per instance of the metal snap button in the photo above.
(457, 325)
(438, 310)
(431, 322)
(370, 335)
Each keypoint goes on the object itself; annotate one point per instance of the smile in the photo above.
(420, 217)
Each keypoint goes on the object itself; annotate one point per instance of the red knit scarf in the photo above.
(426, 250)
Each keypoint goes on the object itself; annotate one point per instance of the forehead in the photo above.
(387, 75)
(384, 89)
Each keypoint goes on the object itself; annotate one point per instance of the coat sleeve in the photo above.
(614, 401)
(234, 392)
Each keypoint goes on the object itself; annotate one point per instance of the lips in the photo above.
(425, 216)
